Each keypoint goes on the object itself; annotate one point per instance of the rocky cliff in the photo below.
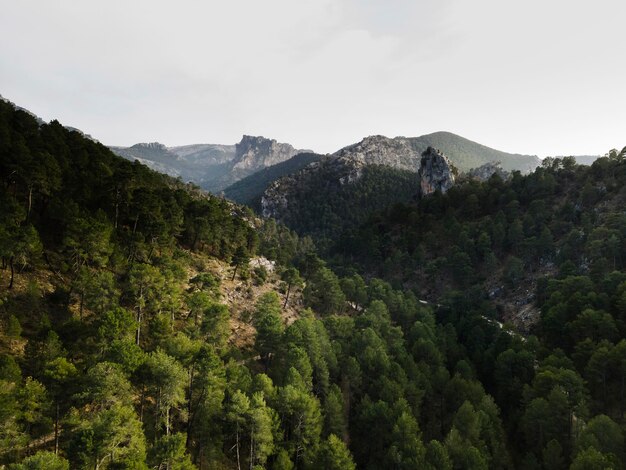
(436, 173)
(255, 153)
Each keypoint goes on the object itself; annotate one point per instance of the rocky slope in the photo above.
(211, 166)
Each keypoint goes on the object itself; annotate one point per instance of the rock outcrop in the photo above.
(435, 172)
(255, 153)
(380, 150)
(486, 171)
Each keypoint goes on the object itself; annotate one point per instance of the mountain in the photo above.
(586, 159)
(466, 154)
(333, 193)
(293, 198)
(250, 189)
(211, 166)
(404, 152)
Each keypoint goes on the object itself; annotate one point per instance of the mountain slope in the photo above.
(334, 193)
(404, 152)
(331, 182)
(466, 154)
(250, 189)
(211, 166)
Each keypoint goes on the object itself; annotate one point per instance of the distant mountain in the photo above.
(211, 166)
(201, 164)
(404, 152)
(466, 154)
(586, 159)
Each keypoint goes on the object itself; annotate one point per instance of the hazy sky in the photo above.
(543, 77)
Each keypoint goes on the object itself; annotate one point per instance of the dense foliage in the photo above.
(322, 206)
(116, 350)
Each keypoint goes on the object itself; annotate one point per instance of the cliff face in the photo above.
(255, 153)
(435, 172)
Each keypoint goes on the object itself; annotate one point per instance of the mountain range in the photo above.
(244, 171)
(211, 166)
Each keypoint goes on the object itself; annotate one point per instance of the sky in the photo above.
(540, 77)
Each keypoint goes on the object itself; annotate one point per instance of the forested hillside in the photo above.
(249, 190)
(331, 195)
(119, 347)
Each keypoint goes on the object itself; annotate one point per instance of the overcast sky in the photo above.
(544, 77)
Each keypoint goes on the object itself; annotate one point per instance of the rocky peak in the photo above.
(381, 150)
(150, 146)
(254, 153)
(435, 172)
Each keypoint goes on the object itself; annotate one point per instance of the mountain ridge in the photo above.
(212, 166)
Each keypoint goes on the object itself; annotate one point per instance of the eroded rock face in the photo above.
(381, 150)
(435, 172)
(254, 153)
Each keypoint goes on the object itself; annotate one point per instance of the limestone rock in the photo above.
(254, 153)
(380, 150)
(435, 172)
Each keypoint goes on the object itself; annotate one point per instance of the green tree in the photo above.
(167, 379)
(553, 456)
(42, 460)
(169, 452)
(58, 374)
(334, 455)
(292, 278)
(592, 459)
(323, 292)
(145, 284)
(240, 258)
(269, 326)
(110, 436)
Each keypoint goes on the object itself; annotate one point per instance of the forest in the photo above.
(116, 340)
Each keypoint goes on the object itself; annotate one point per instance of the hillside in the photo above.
(250, 189)
(404, 152)
(147, 324)
(213, 167)
(466, 154)
(319, 199)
